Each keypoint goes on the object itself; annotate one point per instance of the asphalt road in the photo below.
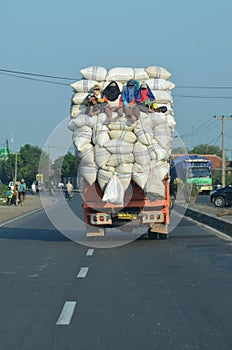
(147, 294)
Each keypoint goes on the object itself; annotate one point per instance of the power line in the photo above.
(195, 96)
(34, 79)
(35, 74)
(203, 87)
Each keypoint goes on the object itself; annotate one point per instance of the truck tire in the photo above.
(219, 202)
(152, 235)
(163, 236)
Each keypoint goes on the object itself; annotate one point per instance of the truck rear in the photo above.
(139, 210)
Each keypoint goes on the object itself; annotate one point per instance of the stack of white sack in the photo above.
(138, 151)
(155, 77)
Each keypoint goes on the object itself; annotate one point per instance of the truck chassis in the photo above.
(139, 209)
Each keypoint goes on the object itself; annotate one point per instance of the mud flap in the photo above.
(93, 231)
(159, 228)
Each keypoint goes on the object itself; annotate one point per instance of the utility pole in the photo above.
(223, 118)
(16, 167)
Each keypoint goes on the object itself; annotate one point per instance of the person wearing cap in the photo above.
(145, 97)
(129, 97)
(113, 100)
(93, 107)
(155, 108)
(98, 93)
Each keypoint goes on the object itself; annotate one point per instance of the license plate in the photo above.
(127, 216)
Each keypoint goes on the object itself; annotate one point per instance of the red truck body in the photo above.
(154, 214)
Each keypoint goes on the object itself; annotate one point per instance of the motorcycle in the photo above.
(69, 195)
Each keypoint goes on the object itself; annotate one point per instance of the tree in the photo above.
(206, 149)
(66, 166)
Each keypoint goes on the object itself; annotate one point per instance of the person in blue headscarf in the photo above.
(129, 97)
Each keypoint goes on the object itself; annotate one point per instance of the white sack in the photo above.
(83, 85)
(121, 125)
(158, 72)
(124, 168)
(88, 173)
(140, 175)
(75, 110)
(155, 186)
(101, 156)
(160, 84)
(82, 120)
(114, 192)
(125, 180)
(124, 135)
(162, 96)
(119, 146)
(100, 134)
(120, 73)
(108, 168)
(140, 74)
(79, 98)
(144, 134)
(157, 119)
(94, 73)
(81, 137)
(157, 152)
(171, 123)
(141, 154)
(163, 135)
(118, 158)
(104, 177)
(87, 156)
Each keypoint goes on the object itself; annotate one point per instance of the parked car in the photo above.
(222, 196)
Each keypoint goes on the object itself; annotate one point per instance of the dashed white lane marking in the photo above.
(90, 252)
(66, 313)
(83, 272)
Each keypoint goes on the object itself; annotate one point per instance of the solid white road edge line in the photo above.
(26, 214)
(90, 252)
(66, 313)
(83, 272)
(217, 232)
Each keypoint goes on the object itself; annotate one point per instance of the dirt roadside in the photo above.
(31, 203)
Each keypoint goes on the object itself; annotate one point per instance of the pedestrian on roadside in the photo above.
(22, 191)
(33, 188)
(16, 195)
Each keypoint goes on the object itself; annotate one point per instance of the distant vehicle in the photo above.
(40, 185)
(222, 196)
(193, 169)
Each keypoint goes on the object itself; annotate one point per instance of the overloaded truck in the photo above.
(124, 165)
(193, 169)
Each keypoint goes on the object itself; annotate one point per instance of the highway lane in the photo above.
(173, 294)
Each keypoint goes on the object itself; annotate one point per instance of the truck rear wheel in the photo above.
(163, 236)
(152, 235)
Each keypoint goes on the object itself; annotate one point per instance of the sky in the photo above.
(191, 39)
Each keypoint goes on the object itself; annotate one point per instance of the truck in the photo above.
(193, 169)
(39, 182)
(139, 209)
(124, 145)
